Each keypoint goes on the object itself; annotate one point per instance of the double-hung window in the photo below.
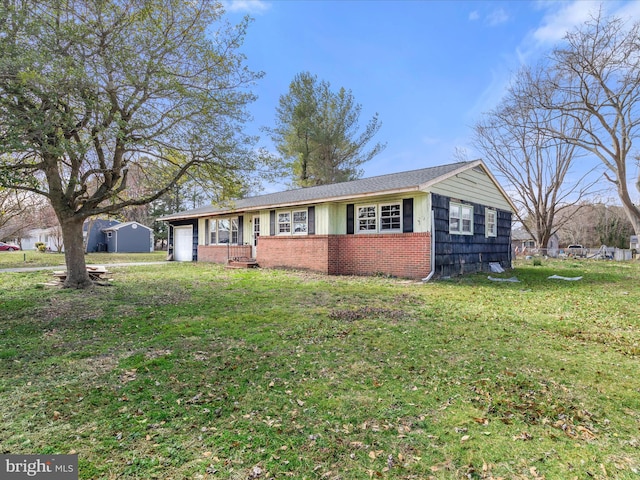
(390, 218)
(460, 219)
(367, 219)
(284, 223)
(223, 231)
(379, 218)
(295, 222)
(491, 226)
(299, 222)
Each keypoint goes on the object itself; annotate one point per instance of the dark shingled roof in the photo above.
(403, 181)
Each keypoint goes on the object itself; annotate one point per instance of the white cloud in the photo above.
(561, 18)
(497, 17)
(557, 23)
(473, 16)
(249, 6)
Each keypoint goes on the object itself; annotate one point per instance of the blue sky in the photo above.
(428, 68)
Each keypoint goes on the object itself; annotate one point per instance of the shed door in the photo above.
(183, 244)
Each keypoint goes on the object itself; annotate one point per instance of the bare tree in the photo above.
(536, 167)
(17, 210)
(594, 78)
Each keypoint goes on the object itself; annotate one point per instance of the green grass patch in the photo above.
(32, 258)
(194, 371)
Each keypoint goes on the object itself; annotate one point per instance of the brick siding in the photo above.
(220, 253)
(308, 252)
(403, 255)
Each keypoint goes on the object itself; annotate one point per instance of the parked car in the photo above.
(7, 247)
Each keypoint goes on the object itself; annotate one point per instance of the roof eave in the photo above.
(267, 206)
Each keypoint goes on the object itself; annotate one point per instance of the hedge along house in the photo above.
(442, 221)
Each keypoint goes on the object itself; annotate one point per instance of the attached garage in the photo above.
(183, 243)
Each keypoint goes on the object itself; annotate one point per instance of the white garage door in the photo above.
(183, 244)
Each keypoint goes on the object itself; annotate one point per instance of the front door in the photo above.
(255, 233)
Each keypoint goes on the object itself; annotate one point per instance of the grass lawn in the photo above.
(193, 371)
(32, 258)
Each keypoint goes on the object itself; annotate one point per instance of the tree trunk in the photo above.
(77, 276)
(632, 211)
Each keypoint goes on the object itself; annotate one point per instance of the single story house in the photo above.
(51, 237)
(439, 221)
(523, 243)
(129, 237)
(94, 239)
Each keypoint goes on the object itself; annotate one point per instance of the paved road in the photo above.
(62, 267)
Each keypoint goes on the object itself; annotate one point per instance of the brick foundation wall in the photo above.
(405, 255)
(309, 252)
(219, 253)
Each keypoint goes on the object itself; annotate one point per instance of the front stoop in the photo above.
(242, 262)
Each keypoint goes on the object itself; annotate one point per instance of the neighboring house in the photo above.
(51, 237)
(94, 238)
(129, 237)
(441, 221)
(523, 243)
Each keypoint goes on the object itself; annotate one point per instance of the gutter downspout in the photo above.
(432, 260)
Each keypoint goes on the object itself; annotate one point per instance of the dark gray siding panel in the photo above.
(240, 229)
(130, 240)
(272, 223)
(311, 219)
(459, 254)
(350, 218)
(407, 215)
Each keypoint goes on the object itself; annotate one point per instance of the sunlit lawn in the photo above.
(32, 258)
(194, 371)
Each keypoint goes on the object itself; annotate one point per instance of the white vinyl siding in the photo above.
(475, 186)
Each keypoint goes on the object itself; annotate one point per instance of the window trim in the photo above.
(279, 223)
(357, 218)
(460, 208)
(398, 218)
(291, 230)
(491, 232)
(377, 218)
(294, 223)
(233, 231)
